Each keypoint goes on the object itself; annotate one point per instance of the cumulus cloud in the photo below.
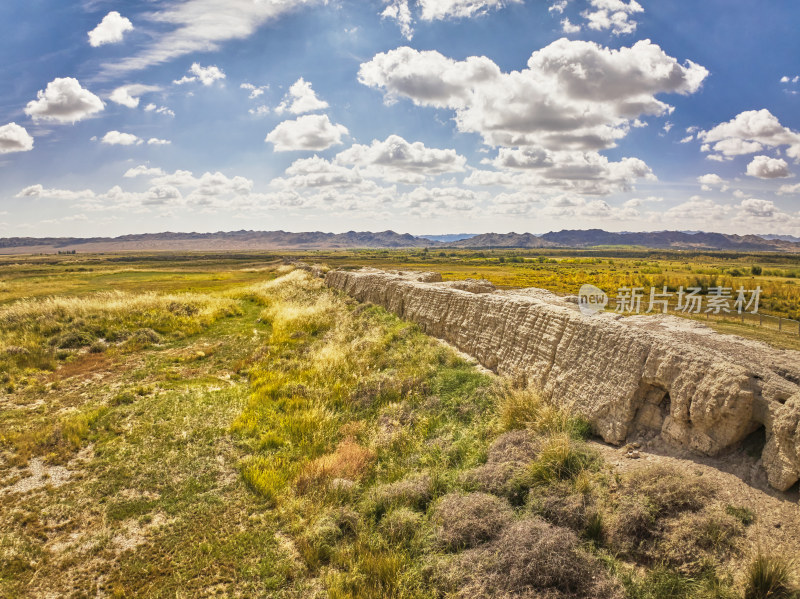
(765, 167)
(710, 180)
(64, 101)
(155, 141)
(789, 189)
(585, 173)
(438, 10)
(568, 27)
(749, 132)
(698, 209)
(39, 191)
(207, 185)
(446, 9)
(128, 95)
(110, 30)
(205, 75)
(753, 207)
(558, 6)
(143, 171)
(255, 91)
(159, 109)
(202, 26)
(301, 99)
(395, 159)
(573, 95)
(116, 138)
(14, 138)
(309, 132)
(614, 15)
(398, 10)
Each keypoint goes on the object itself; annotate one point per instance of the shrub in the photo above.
(691, 541)
(467, 520)
(400, 524)
(524, 408)
(648, 496)
(559, 504)
(770, 577)
(529, 559)
(349, 461)
(508, 455)
(743, 514)
(414, 491)
(560, 458)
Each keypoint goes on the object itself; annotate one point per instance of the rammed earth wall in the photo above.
(631, 377)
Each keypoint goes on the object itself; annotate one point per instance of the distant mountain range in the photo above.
(282, 240)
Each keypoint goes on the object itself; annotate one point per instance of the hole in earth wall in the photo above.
(654, 405)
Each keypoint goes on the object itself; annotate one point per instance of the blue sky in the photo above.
(423, 116)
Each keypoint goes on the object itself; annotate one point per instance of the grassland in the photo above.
(222, 426)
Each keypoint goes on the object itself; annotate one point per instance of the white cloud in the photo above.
(260, 110)
(750, 131)
(159, 109)
(143, 171)
(110, 30)
(459, 9)
(207, 185)
(206, 75)
(585, 173)
(612, 14)
(203, 25)
(116, 138)
(154, 141)
(687, 139)
(128, 95)
(558, 6)
(64, 101)
(317, 172)
(395, 159)
(765, 167)
(758, 208)
(309, 132)
(398, 10)
(568, 27)
(160, 195)
(698, 209)
(14, 138)
(438, 10)
(39, 191)
(301, 99)
(573, 95)
(255, 91)
(787, 79)
(710, 180)
(789, 189)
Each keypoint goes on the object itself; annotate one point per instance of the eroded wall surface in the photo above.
(633, 376)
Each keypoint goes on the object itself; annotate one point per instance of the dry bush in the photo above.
(514, 446)
(414, 491)
(507, 457)
(465, 521)
(668, 490)
(649, 496)
(350, 461)
(561, 505)
(530, 558)
(692, 540)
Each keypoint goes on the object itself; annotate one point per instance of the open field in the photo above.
(221, 426)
